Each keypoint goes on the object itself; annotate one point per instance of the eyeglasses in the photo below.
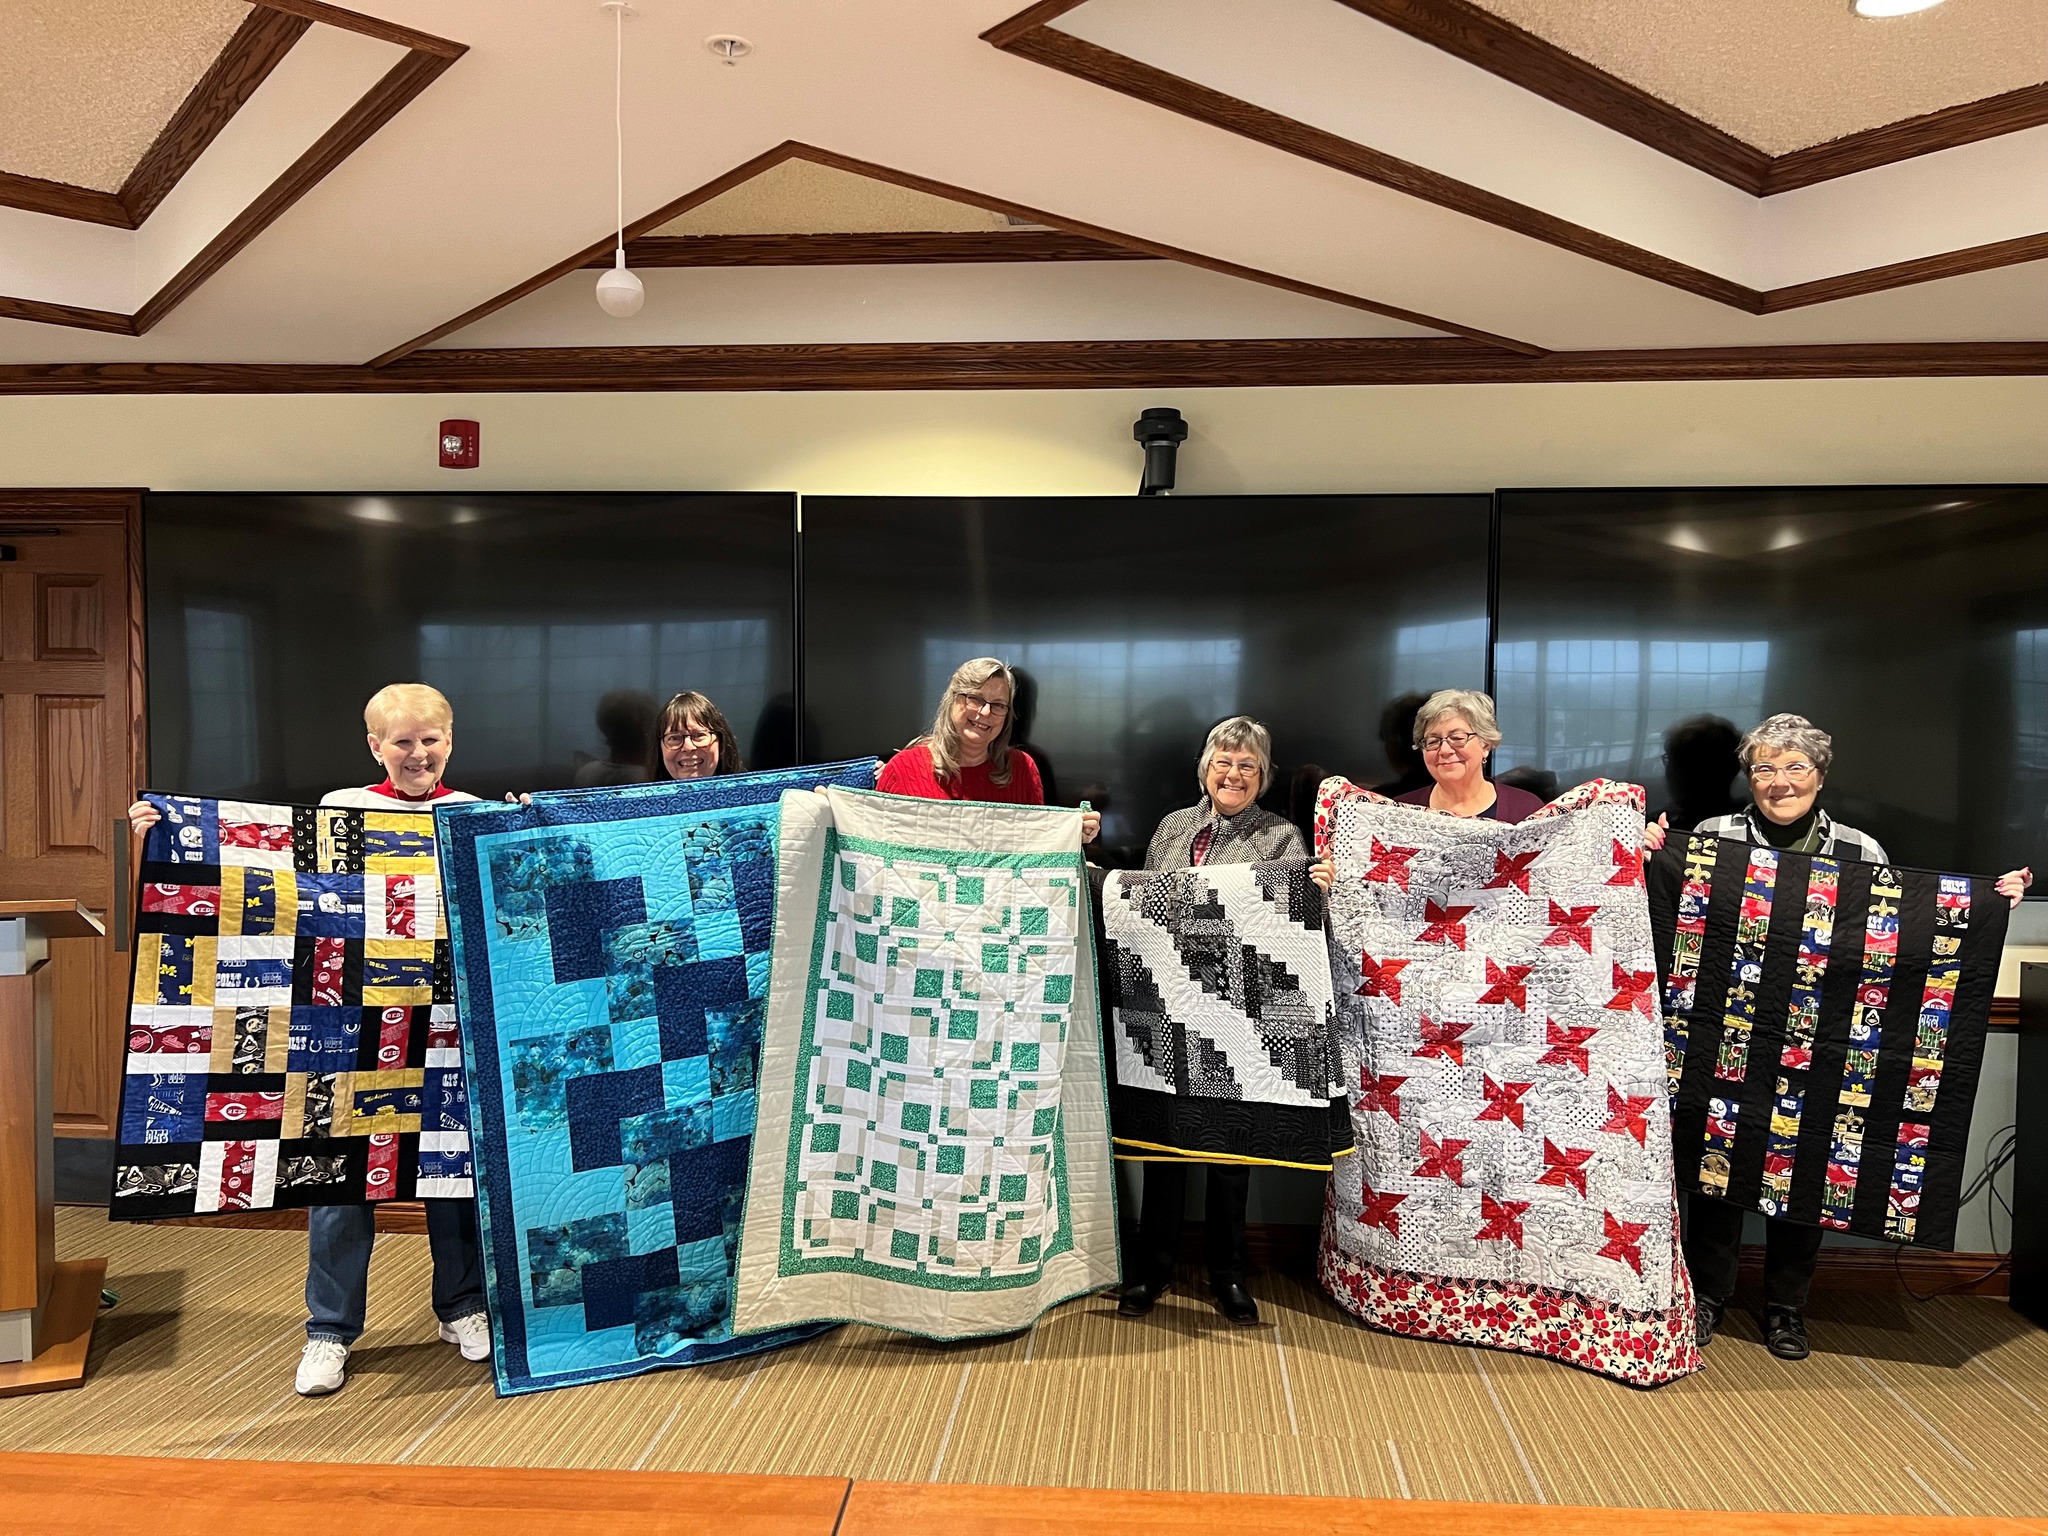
(1248, 766)
(1457, 741)
(700, 739)
(975, 704)
(1793, 773)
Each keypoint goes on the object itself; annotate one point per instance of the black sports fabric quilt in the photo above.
(1823, 1028)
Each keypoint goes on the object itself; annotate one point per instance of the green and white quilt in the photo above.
(933, 1149)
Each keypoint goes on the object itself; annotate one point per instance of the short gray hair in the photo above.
(1230, 735)
(1789, 733)
(1475, 706)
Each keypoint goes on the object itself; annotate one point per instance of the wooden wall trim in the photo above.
(1104, 67)
(1477, 36)
(1434, 21)
(61, 200)
(258, 47)
(1501, 48)
(382, 102)
(1203, 364)
(369, 26)
(269, 38)
(888, 248)
(794, 150)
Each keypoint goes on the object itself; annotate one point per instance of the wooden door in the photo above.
(71, 756)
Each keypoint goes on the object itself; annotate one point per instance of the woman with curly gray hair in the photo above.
(1786, 759)
(1455, 729)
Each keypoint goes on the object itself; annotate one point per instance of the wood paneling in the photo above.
(76, 316)
(162, 1496)
(1029, 365)
(793, 150)
(887, 248)
(70, 740)
(70, 773)
(889, 1509)
(69, 618)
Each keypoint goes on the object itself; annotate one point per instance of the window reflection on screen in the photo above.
(532, 692)
(555, 624)
(1141, 622)
(221, 685)
(1911, 623)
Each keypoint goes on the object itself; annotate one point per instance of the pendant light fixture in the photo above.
(619, 292)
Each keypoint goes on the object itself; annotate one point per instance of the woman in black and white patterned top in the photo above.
(1227, 827)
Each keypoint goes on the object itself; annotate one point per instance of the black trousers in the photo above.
(1713, 1250)
(1166, 1193)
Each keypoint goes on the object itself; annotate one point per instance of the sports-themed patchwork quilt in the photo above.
(291, 1030)
(1824, 1026)
(934, 1154)
(611, 957)
(1496, 987)
(1222, 1025)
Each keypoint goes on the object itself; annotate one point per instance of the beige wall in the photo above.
(1464, 437)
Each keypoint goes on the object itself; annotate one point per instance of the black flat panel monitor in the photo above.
(1140, 622)
(273, 618)
(1910, 623)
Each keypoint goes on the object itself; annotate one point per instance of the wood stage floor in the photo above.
(1910, 1410)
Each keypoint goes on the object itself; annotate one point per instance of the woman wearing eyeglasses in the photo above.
(1787, 760)
(1455, 730)
(967, 753)
(696, 739)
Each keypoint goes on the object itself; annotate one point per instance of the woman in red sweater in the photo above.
(967, 754)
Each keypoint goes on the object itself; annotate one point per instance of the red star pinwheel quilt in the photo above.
(1500, 1036)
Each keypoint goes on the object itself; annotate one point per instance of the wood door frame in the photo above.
(122, 509)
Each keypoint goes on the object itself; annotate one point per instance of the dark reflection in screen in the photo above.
(1140, 622)
(1911, 624)
(556, 624)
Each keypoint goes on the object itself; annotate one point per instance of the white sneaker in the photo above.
(471, 1334)
(322, 1367)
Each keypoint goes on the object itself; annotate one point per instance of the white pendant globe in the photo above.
(619, 292)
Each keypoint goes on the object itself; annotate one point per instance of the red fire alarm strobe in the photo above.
(461, 444)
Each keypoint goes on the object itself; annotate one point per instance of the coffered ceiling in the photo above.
(942, 191)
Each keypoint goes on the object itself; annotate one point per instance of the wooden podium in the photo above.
(46, 1307)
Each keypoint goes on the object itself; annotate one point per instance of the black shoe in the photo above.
(1140, 1297)
(1785, 1333)
(1707, 1317)
(1236, 1304)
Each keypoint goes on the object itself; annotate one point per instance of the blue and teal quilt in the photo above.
(611, 965)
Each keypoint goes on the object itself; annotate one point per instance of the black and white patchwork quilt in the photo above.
(1222, 1022)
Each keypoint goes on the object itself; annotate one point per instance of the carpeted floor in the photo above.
(1905, 1408)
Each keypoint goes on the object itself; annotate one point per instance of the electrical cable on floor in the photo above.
(1999, 1154)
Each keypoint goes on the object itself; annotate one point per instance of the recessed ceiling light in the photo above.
(1891, 7)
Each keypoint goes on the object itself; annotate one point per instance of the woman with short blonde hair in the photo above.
(967, 755)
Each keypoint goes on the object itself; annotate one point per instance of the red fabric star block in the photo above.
(1571, 925)
(1624, 1241)
(1390, 863)
(1565, 1167)
(1507, 984)
(1500, 1221)
(1443, 925)
(1504, 1101)
(1568, 1045)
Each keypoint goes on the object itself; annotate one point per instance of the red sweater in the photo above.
(910, 772)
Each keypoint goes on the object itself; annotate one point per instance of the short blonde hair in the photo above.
(405, 704)
(944, 741)
(1475, 706)
(1230, 735)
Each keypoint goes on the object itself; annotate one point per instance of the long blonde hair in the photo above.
(943, 741)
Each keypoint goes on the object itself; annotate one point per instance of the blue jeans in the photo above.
(338, 1241)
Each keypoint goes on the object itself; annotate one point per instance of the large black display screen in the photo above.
(1139, 623)
(1911, 624)
(273, 618)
